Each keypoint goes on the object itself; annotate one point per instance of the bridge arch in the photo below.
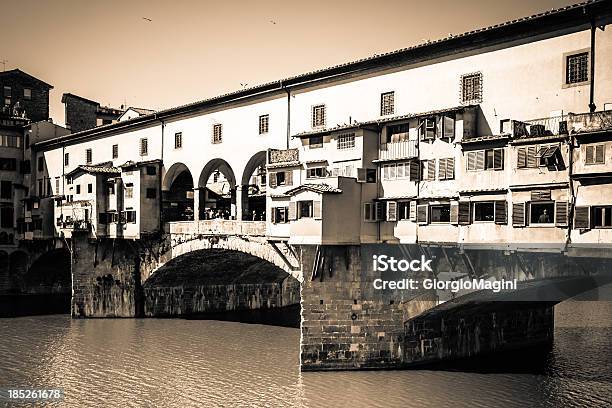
(253, 188)
(49, 273)
(177, 194)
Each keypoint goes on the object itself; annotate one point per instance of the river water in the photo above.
(189, 363)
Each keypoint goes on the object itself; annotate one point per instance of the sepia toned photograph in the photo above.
(306, 204)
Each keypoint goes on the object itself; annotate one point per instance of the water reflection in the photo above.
(180, 363)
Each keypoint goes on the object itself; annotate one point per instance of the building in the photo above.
(498, 136)
(83, 114)
(24, 95)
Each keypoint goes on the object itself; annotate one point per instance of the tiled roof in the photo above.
(401, 197)
(97, 169)
(317, 188)
(484, 190)
(485, 138)
(283, 164)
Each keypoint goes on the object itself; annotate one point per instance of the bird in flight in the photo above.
(146, 18)
(244, 85)
(273, 22)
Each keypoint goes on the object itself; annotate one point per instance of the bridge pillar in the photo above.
(196, 203)
(237, 207)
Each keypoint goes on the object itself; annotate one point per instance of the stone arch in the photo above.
(253, 188)
(217, 196)
(177, 194)
(49, 273)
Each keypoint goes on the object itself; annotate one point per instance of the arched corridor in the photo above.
(177, 194)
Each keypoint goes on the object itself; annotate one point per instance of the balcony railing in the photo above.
(398, 150)
(218, 227)
(564, 124)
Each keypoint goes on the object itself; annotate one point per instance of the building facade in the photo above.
(497, 136)
(83, 114)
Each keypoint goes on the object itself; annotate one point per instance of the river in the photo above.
(190, 363)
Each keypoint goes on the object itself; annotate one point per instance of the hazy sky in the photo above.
(192, 50)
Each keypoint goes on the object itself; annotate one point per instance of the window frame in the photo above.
(264, 124)
(217, 133)
(432, 206)
(551, 223)
(345, 141)
(476, 95)
(309, 204)
(178, 140)
(601, 208)
(318, 116)
(565, 65)
(88, 156)
(387, 103)
(26, 96)
(474, 220)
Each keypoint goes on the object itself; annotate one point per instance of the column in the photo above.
(196, 204)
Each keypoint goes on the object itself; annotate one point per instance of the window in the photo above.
(577, 68)
(602, 216)
(88, 156)
(6, 189)
(428, 169)
(446, 168)
(594, 154)
(318, 116)
(471, 88)
(427, 128)
(7, 164)
(316, 172)
(66, 159)
(41, 164)
(440, 213)
(394, 171)
(315, 142)
(537, 156)
(305, 209)
(6, 217)
(130, 216)
(484, 211)
(115, 151)
(387, 103)
(129, 190)
(178, 140)
(151, 193)
(368, 212)
(541, 213)
(10, 141)
(490, 159)
(144, 146)
(217, 136)
(403, 210)
(7, 91)
(151, 170)
(397, 133)
(27, 94)
(78, 189)
(280, 178)
(89, 188)
(111, 188)
(280, 215)
(346, 141)
(57, 185)
(264, 121)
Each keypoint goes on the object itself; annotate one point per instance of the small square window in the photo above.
(471, 88)
(577, 68)
(542, 213)
(318, 116)
(115, 151)
(346, 141)
(217, 136)
(7, 91)
(178, 140)
(151, 170)
(144, 146)
(151, 193)
(264, 121)
(27, 93)
(315, 142)
(387, 103)
(88, 156)
(89, 188)
(66, 159)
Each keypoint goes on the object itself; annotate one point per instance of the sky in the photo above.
(158, 54)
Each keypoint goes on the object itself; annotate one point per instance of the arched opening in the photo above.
(217, 191)
(254, 188)
(5, 279)
(223, 284)
(50, 273)
(177, 194)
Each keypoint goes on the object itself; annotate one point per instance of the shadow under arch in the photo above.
(223, 284)
(217, 190)
(177, 194)
(253, 182)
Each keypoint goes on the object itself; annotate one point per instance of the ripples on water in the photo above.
(183, 363)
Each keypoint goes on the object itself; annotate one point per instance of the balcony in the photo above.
(406, 149)
(572, 123)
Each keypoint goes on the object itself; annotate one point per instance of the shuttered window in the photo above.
(595, 154)
(454, 212)
(316, 209)
(463, 216)
(412, 212)
(422, 213)
(501, 212)
(380, 207)
(518, 214)
(561, 213)
(540, 195)
(144, 146)
(446, 169)
(392, 211)
(582, 219)
(292, 211)
(368, 211)
(428, 169)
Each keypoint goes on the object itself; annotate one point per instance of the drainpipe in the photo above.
(592, 106)
(572, 202)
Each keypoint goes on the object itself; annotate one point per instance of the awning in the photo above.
(547, 151)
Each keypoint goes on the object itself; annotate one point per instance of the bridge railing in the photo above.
(218, 227)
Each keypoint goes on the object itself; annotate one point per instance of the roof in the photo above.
(400, 197)
(280, 165)
(571, 18)
(384, 120)
(489, 138)
(96, 169)
(130, 163)
(484, 190)
(25, 74)
(141, 111)
(316, 188)
(71, 95)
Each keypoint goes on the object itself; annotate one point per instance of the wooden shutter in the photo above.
(454, 212)
(361, 175)
(316, 209)
(392, 211)
(272, 179)
(498, 159)
(590, 154)
(501, 212)
(449, 127)
(431, 169)
(521, 157)
(561, 209)
(450, 168)
(471, 161)
(480, 160)
(599, 154)
(379, 207)
(292, 211)
(273, 215)
(289, 178)
(463, 214)
(540, 195)
(442, 169)
(518, 214)
(414, 171)
(582, 217)
(422, 213)
(412, 211)
(532, 160)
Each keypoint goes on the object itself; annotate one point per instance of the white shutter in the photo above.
(392, 211)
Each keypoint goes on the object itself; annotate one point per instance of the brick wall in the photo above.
(37, 107)
(80, 114)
